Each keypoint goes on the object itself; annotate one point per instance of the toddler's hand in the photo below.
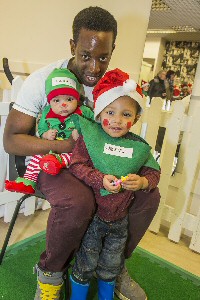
(135, 182)
(75, 135)
(108, 184)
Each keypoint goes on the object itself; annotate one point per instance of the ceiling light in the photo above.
(159, 5)
(185, 28)
(161, 31)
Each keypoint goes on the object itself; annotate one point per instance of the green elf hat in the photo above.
(111, 86)
(62, 82)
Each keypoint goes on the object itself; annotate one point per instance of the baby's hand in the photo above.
(75, 135)
(134, 183)
(50, 134)
(108, 184)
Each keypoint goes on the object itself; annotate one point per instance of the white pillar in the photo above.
(195, 97)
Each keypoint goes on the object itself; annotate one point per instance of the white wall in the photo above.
(34, 33)
(154, 48)
(145, 72)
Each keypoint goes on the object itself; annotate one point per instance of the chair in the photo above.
(17, 168)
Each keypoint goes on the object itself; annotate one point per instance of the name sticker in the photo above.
(63, 80)
(118, 151)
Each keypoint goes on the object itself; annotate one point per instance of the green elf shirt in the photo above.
(116, 156)
(64, 125)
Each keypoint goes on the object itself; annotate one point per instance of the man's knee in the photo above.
(145, 201)
(66, 191)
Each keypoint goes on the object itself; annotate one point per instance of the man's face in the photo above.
(162, 75)
(92, 54)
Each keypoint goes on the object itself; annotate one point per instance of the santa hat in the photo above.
(176, 92)
(184, 86)
(62, 82)
(144, 83)
(113, 85)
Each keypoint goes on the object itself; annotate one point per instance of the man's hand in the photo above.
(50, 134)
(108, 184)
(135, 182)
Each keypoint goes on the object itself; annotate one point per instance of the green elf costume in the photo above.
(96, 154)
(59, 82)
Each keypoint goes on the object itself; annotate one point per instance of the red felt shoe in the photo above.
(19, 187)
(52, 164)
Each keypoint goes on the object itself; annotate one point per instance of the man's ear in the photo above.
(72, 47)
(137, 117)
(113, 48)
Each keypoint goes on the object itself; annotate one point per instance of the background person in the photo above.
(169, 84)
(157, 86)
(145, 87)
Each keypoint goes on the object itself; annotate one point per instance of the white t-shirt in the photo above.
(31, 98)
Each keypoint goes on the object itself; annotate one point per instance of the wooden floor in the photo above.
(158, 244)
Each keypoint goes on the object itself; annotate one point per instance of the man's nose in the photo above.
(94, 66)
(64, 104)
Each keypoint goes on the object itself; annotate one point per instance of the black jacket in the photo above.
(157, 88)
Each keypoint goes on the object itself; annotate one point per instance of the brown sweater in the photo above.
(113, 206)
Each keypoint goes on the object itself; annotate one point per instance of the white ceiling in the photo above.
(181, 13)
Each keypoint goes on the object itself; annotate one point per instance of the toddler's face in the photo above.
(63, 105)
(118, 117)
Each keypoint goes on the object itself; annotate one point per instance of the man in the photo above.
(157, 86)
(169, 85)
(72, 202)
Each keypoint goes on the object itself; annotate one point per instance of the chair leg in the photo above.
(12, 223)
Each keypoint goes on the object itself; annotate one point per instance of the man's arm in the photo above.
(18, 141)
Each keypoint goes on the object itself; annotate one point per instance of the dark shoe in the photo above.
(127, 289)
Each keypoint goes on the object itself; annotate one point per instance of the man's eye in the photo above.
(56, 100)
(85, 57)
(103, 59)
(70, 99)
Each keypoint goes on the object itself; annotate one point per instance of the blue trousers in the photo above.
(102, 250)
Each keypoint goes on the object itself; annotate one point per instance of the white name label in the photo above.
(63, 80)
(118, 151)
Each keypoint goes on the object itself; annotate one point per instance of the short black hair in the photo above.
(94, 18)
(169, 73)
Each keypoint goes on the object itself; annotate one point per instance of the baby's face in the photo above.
(63, 105)
(118, 117)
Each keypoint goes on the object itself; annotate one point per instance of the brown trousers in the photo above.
(72, 208)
